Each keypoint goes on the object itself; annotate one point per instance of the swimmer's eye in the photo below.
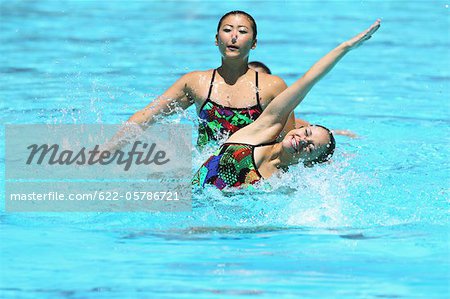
(226, 29)
(243, 31)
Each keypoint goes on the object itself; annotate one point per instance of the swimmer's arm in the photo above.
(273, 118)
(289, 125)
(346, 133)
(301, 123)
(177, 96)
(278, 86)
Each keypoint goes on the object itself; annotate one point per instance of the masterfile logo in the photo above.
(97, 168)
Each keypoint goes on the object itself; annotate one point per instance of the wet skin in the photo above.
(306, 143)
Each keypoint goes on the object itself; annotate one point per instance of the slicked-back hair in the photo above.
(328, 153)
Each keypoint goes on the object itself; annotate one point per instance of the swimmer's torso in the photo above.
(232, 165)
(225, 107)
(218, 121)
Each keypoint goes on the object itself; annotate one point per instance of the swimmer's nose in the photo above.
(234, 39)
(303, 143)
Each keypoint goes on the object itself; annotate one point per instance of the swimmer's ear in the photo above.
(217, 40)
(254, 44)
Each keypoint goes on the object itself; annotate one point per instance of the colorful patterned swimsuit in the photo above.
(232, 165)
(217, 121)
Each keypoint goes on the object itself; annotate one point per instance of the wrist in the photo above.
(345, 46)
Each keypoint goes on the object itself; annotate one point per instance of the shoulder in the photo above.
(271, 85)
(196, 78)
(273, 80)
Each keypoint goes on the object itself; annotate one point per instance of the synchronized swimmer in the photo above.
(253, 153)
(226, 98)
(253, 109)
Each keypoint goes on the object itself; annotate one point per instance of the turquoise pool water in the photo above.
(373, 224)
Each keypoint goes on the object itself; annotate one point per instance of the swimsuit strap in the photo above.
(257, 90)
(211, 84)
(267, 143)
(247, 144)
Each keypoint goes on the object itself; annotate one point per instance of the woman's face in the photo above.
(235, 37)
(306, 143)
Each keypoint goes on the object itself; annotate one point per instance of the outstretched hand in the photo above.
(359, 39)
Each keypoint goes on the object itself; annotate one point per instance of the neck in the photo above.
(277, 156)
(280, 158)
(232, 70)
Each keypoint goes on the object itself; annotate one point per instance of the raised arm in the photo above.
(273, 86)
(273, 118)
(177, 96)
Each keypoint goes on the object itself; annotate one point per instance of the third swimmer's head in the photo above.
(259, 67)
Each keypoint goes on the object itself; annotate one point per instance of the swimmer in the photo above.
(262, 68)
(227, 98)
(252, 153)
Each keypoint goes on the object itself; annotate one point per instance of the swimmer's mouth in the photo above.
(232, 48)
(295, 145)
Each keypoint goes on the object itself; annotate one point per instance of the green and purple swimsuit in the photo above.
(217, 121)
(232, 165)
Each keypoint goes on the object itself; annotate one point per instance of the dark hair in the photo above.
(327, 153)
(260, 65)
(239, 12)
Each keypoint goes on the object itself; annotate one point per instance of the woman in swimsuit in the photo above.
(227, 98)
(253, 153)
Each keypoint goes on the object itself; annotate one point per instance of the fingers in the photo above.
(374, 27)
(363, 36)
